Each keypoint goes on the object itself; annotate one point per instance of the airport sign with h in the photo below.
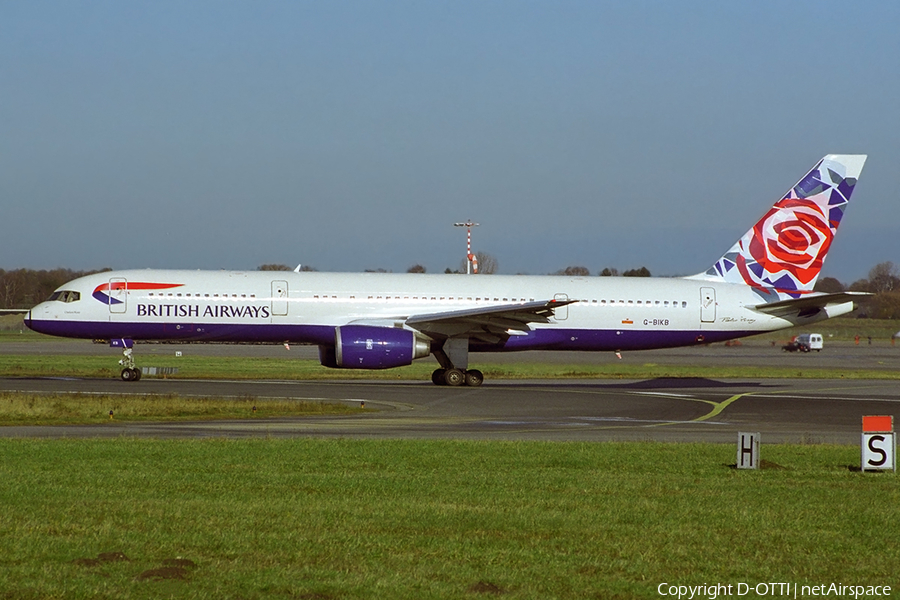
(748, 450)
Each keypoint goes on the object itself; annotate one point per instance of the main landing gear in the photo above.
(453, 355)
(457, 377)
(129, 372)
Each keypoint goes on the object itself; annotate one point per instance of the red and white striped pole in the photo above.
(471, 259)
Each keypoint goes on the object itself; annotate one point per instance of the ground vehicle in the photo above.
(804, 343)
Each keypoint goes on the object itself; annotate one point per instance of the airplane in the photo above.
(382, 320)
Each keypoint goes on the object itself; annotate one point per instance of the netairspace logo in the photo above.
(773, 590)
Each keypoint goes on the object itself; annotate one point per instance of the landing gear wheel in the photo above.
(131, 374)
(454, 377)
(437, 377)
(474, 378)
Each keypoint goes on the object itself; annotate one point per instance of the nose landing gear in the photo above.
(129, 372)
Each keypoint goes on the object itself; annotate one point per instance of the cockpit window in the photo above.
(64, 296)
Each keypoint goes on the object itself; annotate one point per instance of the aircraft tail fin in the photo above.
(784, 251)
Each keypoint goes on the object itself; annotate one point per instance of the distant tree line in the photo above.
(607, 272)
(279, 267)
(24, 288)
(487, 265)
(883, 281)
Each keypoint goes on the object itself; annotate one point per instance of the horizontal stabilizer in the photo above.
(810, 302)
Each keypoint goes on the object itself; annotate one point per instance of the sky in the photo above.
(352, 135)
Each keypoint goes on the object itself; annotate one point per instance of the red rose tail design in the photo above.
(783, 253)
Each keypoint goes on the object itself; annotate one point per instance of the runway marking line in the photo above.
(718, 407)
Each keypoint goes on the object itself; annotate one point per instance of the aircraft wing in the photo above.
(490, 324)
(13, 311)
(809, 303)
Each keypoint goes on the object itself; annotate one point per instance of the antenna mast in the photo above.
(471, 260)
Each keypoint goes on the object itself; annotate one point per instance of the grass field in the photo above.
(337, 519)
(341, 519)
(57, 409)
(225, 367)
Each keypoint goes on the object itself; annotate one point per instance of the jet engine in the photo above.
(369, 347)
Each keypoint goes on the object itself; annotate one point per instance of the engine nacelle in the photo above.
(368, 347)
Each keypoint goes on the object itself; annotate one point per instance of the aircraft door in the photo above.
(562, 313)
(118, 295)
(707, 305)
(279, 298)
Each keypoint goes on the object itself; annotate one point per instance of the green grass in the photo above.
(56, 409)
(202, 367)
(343, 519)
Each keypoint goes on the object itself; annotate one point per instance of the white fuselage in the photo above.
(609, 313)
